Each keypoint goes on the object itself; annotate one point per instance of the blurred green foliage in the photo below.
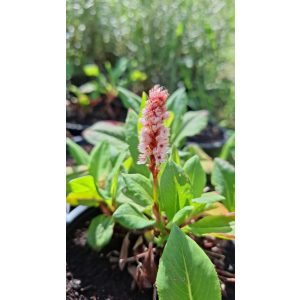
(175, 42)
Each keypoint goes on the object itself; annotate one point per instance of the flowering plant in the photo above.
(144, 186)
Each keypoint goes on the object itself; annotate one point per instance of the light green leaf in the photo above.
(83, 192)
(181, 216)
(100, 164)
(131, 218)
(177, 104)
(193, 123)
(223, 178)
(112, 132)
(174, 190)
(138, 188)
(196, 174)
(129, 99)
(91, 70)
(185, 272)
(78, 153)
(228, 148)
(100, 232)
(210, 197)
(213, 224)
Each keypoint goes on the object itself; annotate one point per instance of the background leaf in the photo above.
(185, 272)
(78, 153)
(129, 99)
(131, 218)
(223, 178)
(196, 174)
(112, 132)
(193, 123)
(100, 232)
(83, 192)
(100, 164)
(213, 224)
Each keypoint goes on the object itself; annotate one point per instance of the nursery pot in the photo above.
(211, 139)
(95, 274)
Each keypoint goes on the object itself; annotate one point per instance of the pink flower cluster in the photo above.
(154, 136)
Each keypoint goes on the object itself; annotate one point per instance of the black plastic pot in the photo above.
(211, 139)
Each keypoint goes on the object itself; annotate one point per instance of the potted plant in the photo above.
(150, 203)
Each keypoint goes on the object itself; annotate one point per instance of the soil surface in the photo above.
(96, 276)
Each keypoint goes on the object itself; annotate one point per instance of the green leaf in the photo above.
(228, 148)
(112, 132)
(173, 189)
(185, 272)
(196, 174)
(213, 224)
(83, 192)
(181, 216)
(131, 218)
(177, 104)
(100, 232)
(100, 164)
(91, 70)
(133, 140)
(78, 153)
(175, 155)
(129, 99)
(223, 178)
(138, 188)
(193, 123)
(210, 197)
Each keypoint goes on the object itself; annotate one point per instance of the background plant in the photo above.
(177, 42)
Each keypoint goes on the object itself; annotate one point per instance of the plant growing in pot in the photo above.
(98, 98)
(161, 200)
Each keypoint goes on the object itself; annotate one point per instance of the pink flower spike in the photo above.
(154, 137)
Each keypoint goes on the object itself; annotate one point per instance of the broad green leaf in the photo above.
(91, 70)
(133, 140)
(181, 216)
(193, 123)
(100, 164)
(129, 99)
(177, 104)
(100, 232)
(138, 188)
(112, 132)
(213, 224)
(78, 153)
(83, 192)
(174, 190)
(131, 218)
(223, 178)
(210, 197)
(185, 272)
(196, 174)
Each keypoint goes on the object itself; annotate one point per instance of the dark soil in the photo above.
(97, 111)
(96, 276)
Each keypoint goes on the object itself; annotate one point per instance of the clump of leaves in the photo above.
(165, 206)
